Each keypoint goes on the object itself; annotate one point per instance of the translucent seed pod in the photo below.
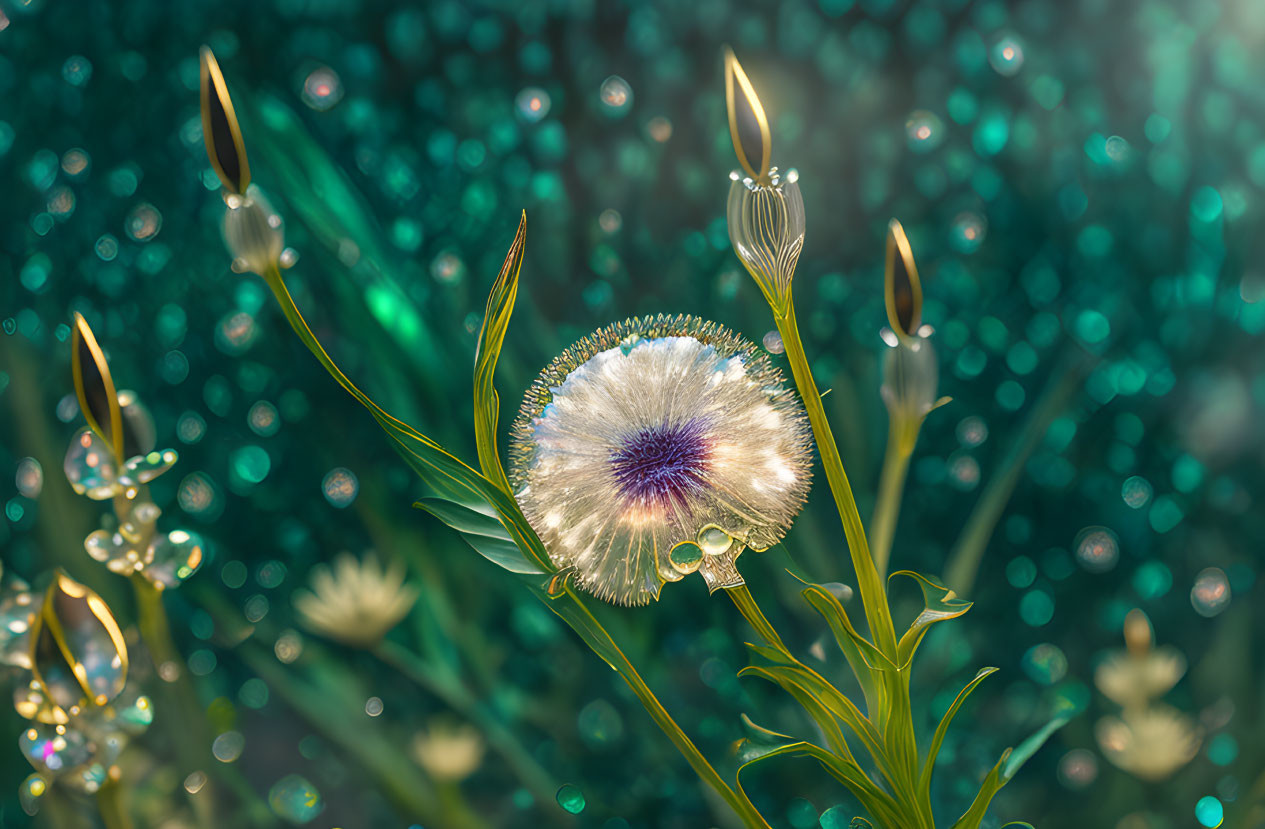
(253, 232)
(766, 228)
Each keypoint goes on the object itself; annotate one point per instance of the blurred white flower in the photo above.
(1134, 677)
(656, 448)
(357, 602)
(448, 751)
(1149, 743)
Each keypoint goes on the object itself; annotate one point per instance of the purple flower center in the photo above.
(661, 465)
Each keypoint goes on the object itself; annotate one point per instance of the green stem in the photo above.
(110, 804)
(184, 716)
(887, 508)
(968, 552)
(869, 583)
(448, 688)
(573, 611)
(746, 604)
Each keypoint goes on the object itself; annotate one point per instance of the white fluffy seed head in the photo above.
(655, 432)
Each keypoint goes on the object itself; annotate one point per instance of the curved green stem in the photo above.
(573, 611)
(110, 805)
(448, 688)
(968, 552)
(183, 712)
(887, 508)
(869, 583)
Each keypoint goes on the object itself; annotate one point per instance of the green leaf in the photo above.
(979, 807)
(1029, 746)
(876, 801)
(822, 696)
(495, 323)
(940, 603)
(863, 657)
(924, 780)
(1002, 773)
(482, 532)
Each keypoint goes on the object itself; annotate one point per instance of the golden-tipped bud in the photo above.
(902, 289)
(78, 655)
(766, 228)
(220, 132)
(94, 387)
(748, 125)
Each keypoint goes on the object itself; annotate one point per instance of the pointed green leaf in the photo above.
(465, 520)
(924, 780)
(798, 681)
(876, 801)
(940, 604)
(482, 532)
(1010, 762)
(979, 807)
(1029, 746)
(495, 322)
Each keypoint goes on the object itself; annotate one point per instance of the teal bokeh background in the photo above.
(1082, 186)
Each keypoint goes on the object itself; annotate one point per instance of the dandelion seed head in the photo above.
(652, 433)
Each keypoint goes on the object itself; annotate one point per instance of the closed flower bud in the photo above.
(78, 654)
(911, 377)
(253, 232)
(766, 210)
(766, 228)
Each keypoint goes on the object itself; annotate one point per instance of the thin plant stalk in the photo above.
(887, 508)
(578, 616)
(870, 585)
(967, 554)
(448, 688)
(193, 741)
(110, 805)
(568, 606)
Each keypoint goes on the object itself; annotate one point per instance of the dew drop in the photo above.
(1211, 593)
(968, 232)
(532, 104)
(1078, 768)
(30, 478)
(194, 782)
(373, 706)
(322, 89)
(571, 799)
(1136, 492)
(340, 487)
(289, 258)
(610, 221)
(228, 746)
(31, 793)
(686, 557)
(773, 343)
(924, 131)
(295, 799)
(972, 431)
(714, 541)
(616, 95)
(1097, 549)
(143, 222)
(1007, 56)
